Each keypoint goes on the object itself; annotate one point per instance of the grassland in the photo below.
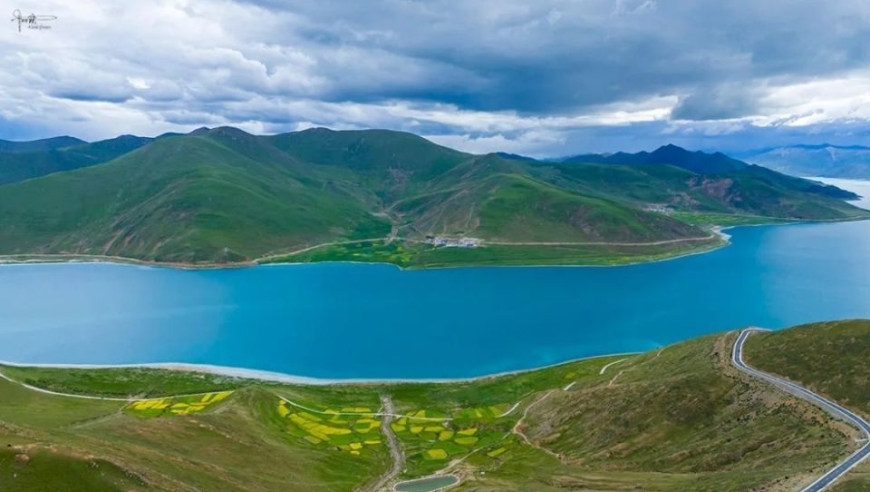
(46, 471)
(675, 419)
(123, 382)
(725, 220)
(832, 359)
(412, 255)
(683, 411)
(396, 253)
(235, 444)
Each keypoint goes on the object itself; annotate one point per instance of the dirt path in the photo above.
(604, 369)
(366, 414)
(517, 429)
(603, 243)
(396, 453)
(511, 410)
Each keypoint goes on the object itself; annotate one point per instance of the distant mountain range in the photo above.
(824, 160)
(223, 195)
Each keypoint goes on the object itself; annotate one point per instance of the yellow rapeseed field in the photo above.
(436, 454)
(182, 405)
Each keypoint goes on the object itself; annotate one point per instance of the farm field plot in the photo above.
(182, 405)
(433, 439)
(398, 253)
(351, 429)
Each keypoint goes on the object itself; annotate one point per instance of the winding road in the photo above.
(829, 406)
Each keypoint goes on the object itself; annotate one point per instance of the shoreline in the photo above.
(116, 260)
(277, 377)
(69, 259)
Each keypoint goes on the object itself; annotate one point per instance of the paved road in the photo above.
(834, 409)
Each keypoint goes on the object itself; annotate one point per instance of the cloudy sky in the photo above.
(544, 78)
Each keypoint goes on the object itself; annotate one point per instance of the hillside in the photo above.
(579, 426)
(703, 183)
(224, 196)
(23, 162)
(698, 162)
(45, 144)
(830, 358)
(824, 160)
(180, 199)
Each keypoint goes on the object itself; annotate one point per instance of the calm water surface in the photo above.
(426, 484)
(375, 321)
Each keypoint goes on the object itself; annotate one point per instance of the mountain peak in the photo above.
(670, 147)
(670, 154)
(229, 131)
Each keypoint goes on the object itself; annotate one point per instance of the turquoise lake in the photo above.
(375, 321)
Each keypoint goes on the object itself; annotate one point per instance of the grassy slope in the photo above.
(191, 199)
(524, 209)
(684, 412)
(53, 143)
(680, 419)
(238, 446)
(29, 162)
(122, 382)
(831, 359)
(46, 471)
(684, 415)
(752, 191)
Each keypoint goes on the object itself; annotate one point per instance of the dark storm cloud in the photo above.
(561, 56)
(486, 74)
(89, 97)
(717, 103)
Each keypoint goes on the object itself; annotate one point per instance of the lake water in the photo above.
(860, 187)
(375, 321)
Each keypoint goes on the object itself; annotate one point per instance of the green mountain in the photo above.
(19, 165)
(698, 162)
(679, 418)
(222, 195)
(705, 183)
(53, 143)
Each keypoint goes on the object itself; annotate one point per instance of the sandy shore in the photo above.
(276, 377)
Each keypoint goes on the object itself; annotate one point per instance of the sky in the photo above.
(542, 78)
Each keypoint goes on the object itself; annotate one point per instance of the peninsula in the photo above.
(223, 197)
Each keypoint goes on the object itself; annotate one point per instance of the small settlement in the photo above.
(460, 242)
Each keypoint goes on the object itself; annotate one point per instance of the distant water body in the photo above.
(860, 187)
(352, 321)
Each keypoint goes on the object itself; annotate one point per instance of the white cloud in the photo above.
(490, 74)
